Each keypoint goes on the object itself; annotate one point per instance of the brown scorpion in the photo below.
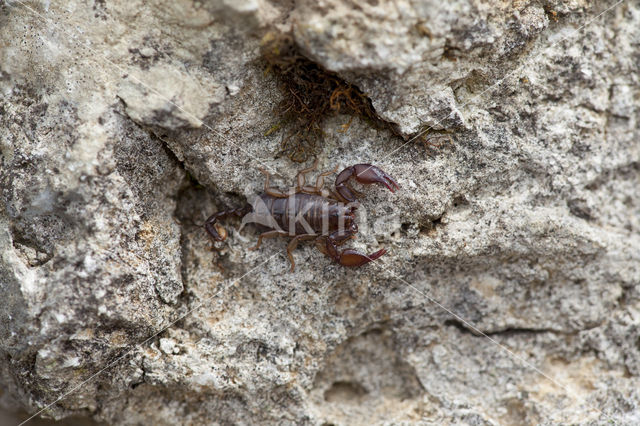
(310, 212)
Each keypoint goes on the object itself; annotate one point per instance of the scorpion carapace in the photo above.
(310, 212)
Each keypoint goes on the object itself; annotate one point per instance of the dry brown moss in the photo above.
(310, 95)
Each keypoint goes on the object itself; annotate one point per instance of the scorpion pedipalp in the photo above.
(365, 174)
(350, 257)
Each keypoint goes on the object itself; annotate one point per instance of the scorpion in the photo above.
(310, 212)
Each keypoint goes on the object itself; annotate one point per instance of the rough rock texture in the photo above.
(511, 291)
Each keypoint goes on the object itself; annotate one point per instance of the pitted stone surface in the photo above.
(123, 125)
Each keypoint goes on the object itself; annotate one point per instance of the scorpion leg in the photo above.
(363, 173)
(268, 189)
(320, 179)
(268, 234)
(317, 187)
(301, 178)
(294, 243)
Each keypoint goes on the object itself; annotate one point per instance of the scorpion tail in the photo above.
(216, 230)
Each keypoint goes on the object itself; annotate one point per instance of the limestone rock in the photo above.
(510, 293)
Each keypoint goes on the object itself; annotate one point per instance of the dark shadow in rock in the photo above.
(368, 367)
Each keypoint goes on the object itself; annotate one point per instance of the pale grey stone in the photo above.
(510, 293)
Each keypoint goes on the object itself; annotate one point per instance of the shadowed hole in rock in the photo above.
(365, 370)
(460, 201)
(345, 392)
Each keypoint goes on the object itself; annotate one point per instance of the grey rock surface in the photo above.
(511, 290)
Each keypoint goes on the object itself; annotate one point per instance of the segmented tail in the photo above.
(216, 231)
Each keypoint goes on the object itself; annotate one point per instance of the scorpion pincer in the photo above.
(310, 212)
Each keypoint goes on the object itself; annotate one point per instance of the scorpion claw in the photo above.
(365, 174)
(351, 257)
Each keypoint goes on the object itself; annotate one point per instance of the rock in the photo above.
(510, 292)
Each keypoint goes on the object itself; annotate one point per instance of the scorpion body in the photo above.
(310, 212)
(305, 213)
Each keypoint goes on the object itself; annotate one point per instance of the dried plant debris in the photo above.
(310, 95)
